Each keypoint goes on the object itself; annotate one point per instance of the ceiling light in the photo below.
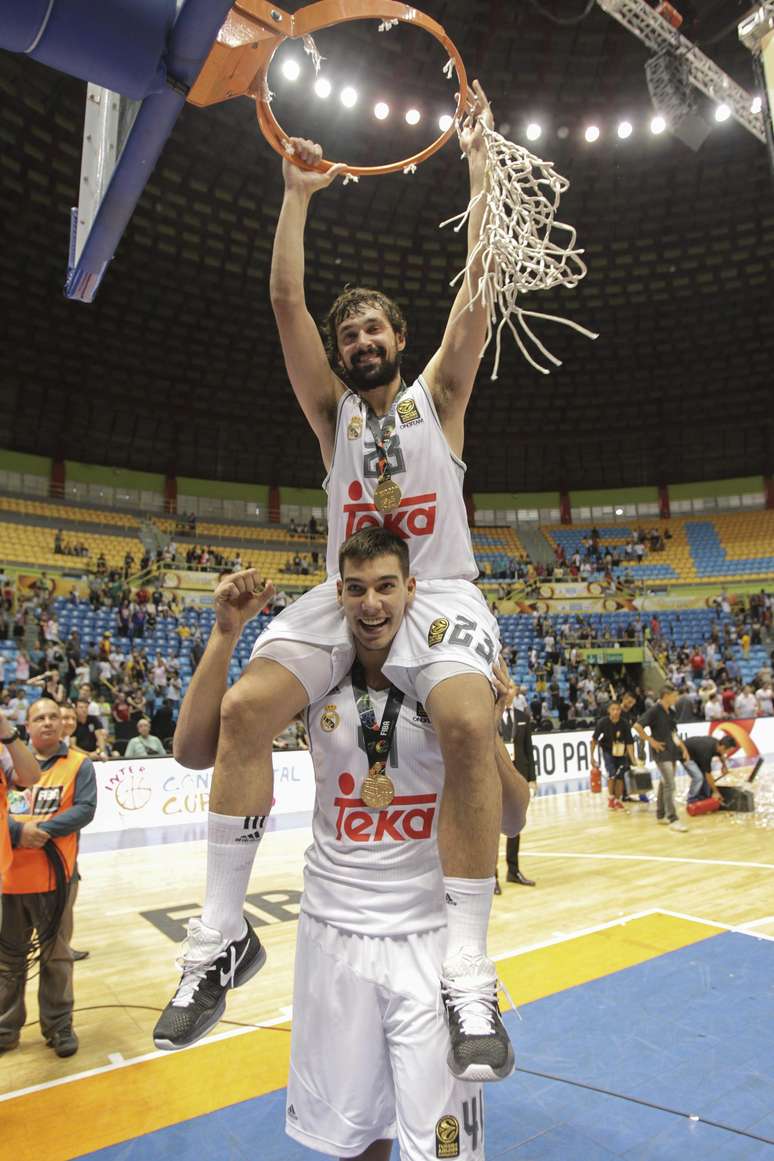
(291, 69)
(757, 105)
(592, 133)
(625, 130)
(348, 96)
(381, 110)
(322, 87)
(722, 113)
(444, 122)
(413, 116)
(658, 125)
(533, 131)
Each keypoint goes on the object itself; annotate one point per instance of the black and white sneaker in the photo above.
(210, 965)
(480, 1048)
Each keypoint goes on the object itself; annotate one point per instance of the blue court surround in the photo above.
(689, 1031)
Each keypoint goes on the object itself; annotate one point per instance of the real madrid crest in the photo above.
(329, 719)
(437, 631)
(355, 427)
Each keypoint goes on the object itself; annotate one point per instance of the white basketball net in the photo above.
(520, 247)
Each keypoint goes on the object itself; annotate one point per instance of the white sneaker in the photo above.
(480, 1048)
(678, 827)
(663, 822)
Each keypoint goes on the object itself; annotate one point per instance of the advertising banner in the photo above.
(148, 794)
(564, 758)
(190, 579)
(159, 792)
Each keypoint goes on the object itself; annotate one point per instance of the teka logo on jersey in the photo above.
(415, 515)
(408, 816)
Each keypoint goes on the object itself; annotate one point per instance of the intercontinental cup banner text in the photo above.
(144, 793)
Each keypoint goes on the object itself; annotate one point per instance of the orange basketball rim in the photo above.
(238, 63)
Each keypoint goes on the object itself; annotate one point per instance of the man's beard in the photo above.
(379, 374)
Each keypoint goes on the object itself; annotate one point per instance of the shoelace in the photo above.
(475, 1007)
(194, 970)
(501, 990)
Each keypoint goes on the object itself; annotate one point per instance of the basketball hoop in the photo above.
(522, 248)
(239, 64)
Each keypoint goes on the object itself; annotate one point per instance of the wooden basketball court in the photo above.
(592, 868)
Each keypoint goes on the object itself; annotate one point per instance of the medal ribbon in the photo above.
(377, 737)
(383, 434)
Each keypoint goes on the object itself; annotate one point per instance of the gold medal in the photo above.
(377, 790)
(387, 496)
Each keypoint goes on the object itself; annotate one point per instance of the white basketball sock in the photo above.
(231, 846)
(468, 903)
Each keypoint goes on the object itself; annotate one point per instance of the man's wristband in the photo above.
(9, 741)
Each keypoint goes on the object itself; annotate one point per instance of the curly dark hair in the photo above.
(351, 301)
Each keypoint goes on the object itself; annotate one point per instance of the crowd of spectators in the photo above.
(124, 685)
(706, 674)
(185, 524)
(110, 687)
(302, 564)
(594, 554)
(64, 547)
(210, 559)
(511, 568)
(311, 529)
(121, 682)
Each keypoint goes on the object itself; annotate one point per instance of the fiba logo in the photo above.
(132, 792)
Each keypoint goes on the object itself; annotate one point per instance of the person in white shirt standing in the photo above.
(369, 1039)
(765, 698)
(746, 703)
(393, 456)
(713, 709)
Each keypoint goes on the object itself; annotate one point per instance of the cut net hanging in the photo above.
(521, 248)
(310, 48)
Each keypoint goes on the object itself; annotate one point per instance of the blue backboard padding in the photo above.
(194, 33)
(120, 44)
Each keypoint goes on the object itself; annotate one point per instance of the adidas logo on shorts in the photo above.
(292, 1113)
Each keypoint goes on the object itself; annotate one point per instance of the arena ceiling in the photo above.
(176, 365)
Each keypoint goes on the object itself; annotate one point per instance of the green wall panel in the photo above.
(306, 497)
(105, 477)
(223, 490)
(613, 496)
(11, 461)
(711, 488)
(499, 500)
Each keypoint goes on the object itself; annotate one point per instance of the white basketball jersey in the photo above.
(375, 872)
(431, 515)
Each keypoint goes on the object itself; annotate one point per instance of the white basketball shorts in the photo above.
(369, 1046)
(449, 627)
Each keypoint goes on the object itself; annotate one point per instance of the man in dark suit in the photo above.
(516, 727)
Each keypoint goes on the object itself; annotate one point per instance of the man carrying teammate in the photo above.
(369, 1040)
(392, 452)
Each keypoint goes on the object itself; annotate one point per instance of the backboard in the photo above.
(108, 121)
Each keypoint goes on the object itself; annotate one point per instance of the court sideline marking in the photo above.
(646, 859)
